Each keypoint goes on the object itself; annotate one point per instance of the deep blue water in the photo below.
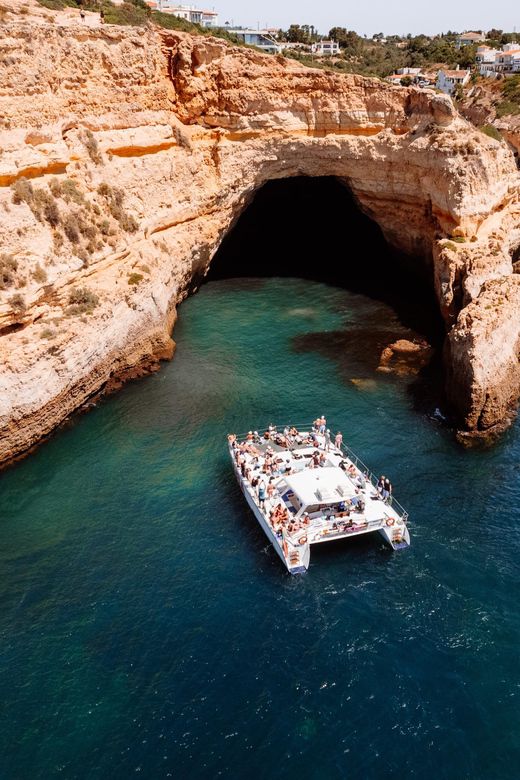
(147, 628)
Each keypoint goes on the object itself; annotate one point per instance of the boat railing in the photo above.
(391, 501)
(306, 428)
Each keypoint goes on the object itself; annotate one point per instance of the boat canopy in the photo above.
(320, 486)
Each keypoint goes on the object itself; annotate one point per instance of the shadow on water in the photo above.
(312, 228)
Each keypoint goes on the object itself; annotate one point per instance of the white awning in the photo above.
(320, 486)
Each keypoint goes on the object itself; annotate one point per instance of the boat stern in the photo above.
(396, 535)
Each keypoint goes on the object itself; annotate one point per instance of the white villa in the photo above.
(191, 13)
(468, 38)
(448, 80)
(325, 48)
(416, 75)
(492, 61)
(263, 39)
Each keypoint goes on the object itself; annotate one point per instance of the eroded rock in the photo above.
(405, 357)
(189, 128)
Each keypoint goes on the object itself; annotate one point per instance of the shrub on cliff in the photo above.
(82, 301)
(68, 190)
(39, 274)
(42, 203)
(23, 191)
(71, 228)
(134, 279)
(92, 147)
(8, 266)
(114, 198)
(17, 303)
(45, 207)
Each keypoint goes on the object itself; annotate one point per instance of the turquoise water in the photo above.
(147, 628)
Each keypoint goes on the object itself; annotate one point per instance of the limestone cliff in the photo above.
(127, 154)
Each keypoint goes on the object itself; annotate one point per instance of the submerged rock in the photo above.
(364, 384)
(405, 357)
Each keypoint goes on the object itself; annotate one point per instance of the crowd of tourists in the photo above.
(259, 465)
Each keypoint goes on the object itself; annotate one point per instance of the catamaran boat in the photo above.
(305, 490)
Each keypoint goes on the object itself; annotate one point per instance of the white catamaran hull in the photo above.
(304, 552)
(294, 550)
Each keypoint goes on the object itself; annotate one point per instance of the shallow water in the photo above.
(147, 627)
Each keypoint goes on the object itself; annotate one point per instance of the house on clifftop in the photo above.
(190, 13)
(467, 38)
(449, 80)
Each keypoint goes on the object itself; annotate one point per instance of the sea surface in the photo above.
(148, 629)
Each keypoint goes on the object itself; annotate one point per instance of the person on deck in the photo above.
(338, 440)
(262, 494)
(327, 440)
(387, 489)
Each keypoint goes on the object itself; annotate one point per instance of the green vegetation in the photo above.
(171, 22)
(491, 131)
(372, 57)
(135, 278)
(137, 13)
(114, 198)
(71, 228)
(58, 5)
(42, 203)
(68, 190)
(377, 56)
(48, 333)
(82, 301)
(511, 102)
(134, 12)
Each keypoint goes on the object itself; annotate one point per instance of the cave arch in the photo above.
(313, 228)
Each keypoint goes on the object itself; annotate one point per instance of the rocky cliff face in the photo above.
(128, 154)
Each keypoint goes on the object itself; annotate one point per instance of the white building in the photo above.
(469, 37)
(191, 13)
(508, 60)
(492, 61)
(325, 48)
(448, 80)
(408, 71)
(260, 38)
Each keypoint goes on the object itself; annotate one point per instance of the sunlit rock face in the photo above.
(153, 144)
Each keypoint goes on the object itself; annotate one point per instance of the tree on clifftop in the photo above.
(347, 39)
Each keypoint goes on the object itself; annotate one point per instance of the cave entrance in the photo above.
(312, 228)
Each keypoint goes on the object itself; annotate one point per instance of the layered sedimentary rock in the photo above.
(142, 149)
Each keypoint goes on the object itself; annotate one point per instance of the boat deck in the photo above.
(335, 515)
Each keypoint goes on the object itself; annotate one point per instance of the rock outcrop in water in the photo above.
(127, 155)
